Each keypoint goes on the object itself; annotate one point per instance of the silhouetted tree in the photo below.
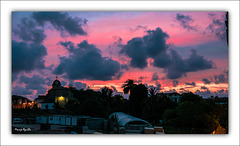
(73, 106)
(137, 98)
(190, 97)
(128, 85)
(106, 92)
(152, 92)
(192, 115)
(155, 107)
(95, 107)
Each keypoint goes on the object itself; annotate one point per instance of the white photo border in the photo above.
(229, 139)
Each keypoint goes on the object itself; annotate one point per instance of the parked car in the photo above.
(17, 120)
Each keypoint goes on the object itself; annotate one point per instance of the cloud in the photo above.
(191, 84)
(141, 77)
(27, 30)
(158, 85)
(27, 57)
(153, 45)
(204, 88)
(163, 60)
(178, 66)
(14, 77)
(124, 66)
(61, 22)
(63, 83)
(85, 61)
(211, 14)
(139, 81)
(218, 27)
(147, 46)
(18, 90)
(207, 93)
(185, 21)
(35, 82)
(217, 79)
(206, 81)
(175, 83)
(155, 77)
(221, 78)
(137, 28)
(80, 85)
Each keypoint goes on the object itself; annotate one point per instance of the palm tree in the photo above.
(107, 92)
(127, 86)
(152, 92)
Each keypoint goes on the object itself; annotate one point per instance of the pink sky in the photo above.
(104, 29)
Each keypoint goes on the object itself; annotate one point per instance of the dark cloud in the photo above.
(206, 81)
(221, 78)
(207, 93)
(63, 83)
(80, 85)
(35, 82)
(61, 22)
(86, 62)
(211, 14)
(155, 77)
(158, 85)
(218, 27)
(150, 45)
(137, 28)
(153, 45)
(28, 31)
(204, 88)
(48, 81)
(124, 66)
(217, 79)
(170, 91)
(179, 66)
(139, 81)
(185, 21)
(14, 76)
(27, 57)
(163, 60)
(175, 83)
(35, 79)
(191, 84)
(18, 90)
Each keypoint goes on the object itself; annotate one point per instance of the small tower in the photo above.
(56, 83)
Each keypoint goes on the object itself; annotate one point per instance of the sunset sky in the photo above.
(171, 51)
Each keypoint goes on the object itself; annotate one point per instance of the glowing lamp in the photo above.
(61, 98)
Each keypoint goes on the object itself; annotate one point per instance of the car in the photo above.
(17, 120)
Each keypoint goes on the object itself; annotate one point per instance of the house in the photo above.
(19, 102)
(40, 99)
(41, 119)
(55, 119)
(47, 104)
(58, 95)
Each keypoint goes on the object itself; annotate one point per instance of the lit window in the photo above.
(60, 98)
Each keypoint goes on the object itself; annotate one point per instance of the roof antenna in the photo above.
(56, 77)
